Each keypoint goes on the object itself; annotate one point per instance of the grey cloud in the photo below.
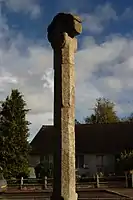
(95, 22)
(26, 6)
(33, 72)
(114, 61)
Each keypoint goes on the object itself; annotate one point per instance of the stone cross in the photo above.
(61, 35)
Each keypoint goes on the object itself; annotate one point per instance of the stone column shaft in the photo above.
(64, 119)
(61, 34)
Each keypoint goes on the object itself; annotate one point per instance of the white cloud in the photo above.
(127, 14)
(101, 70)
(26, 72)
(27, 6)
(94, 22)
(106, 70)
(38, 120)
(28, 67)
(29, 71)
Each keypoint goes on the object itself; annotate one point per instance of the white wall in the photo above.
(109, 163)
(91, 161)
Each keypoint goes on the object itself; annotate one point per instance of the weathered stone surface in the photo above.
(63, 23)
(61, 34)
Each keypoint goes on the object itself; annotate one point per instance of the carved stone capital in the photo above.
(61, 24)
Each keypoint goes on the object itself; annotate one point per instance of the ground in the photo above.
(82, 194)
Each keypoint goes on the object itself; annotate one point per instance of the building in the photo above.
(97, 146)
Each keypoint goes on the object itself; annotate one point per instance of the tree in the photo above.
(125, 160)
(128, 119)
(91, 119)
(103, 112)
(76, 121)
(14, 132)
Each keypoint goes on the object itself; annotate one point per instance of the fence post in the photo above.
(45, 182)
(21, 183)
(97, 181)
(126, 179)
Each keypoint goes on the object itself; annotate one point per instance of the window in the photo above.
(99, 159)
(100, 163)
(41, 158)
(50, 158)
(79, 161)
(46, 158)
(100, 168)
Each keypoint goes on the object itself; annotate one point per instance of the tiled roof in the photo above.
(94, 138)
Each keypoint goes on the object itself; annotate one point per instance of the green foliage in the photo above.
(103, 112)
(128, 119)
(91, 120)
(76, 121)
(125, 160)
(14, 132)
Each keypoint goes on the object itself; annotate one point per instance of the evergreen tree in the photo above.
(103, 112)
(14, 132)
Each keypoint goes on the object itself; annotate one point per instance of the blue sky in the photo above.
(104, 60)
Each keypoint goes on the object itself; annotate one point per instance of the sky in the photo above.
(103, 61)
